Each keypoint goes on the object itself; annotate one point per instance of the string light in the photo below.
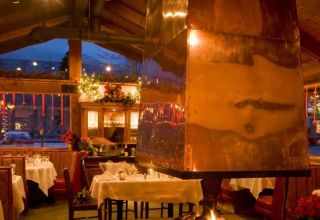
(90, 87)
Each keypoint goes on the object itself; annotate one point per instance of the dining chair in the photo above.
(6, 196)
(20, 169)
(108, 203)
(144, 208)
(272, 206)
(79, 204)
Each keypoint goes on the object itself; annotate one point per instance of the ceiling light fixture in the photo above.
(15, 1)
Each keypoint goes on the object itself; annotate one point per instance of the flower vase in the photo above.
(69, 145)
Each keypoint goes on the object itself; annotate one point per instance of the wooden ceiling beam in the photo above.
(310, 44)
(115, 30)
(79, 10)
(26, 30)
(37, 86)
(126, 51)
(138, 5)
(126, 13)
(122, 23)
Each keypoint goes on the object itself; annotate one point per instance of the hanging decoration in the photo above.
(4, 114)
(23, 100)
(306, 102)
(314, 103)
(14, 99)
(89, 86)
(61, 110)
(34, 101)
(42, 104)
(52, 107)
(3, 103)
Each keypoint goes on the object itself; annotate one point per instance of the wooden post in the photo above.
(75, 60)
(75, 66)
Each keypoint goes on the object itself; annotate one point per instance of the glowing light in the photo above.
(108, 68)
(212, 217)
(193, 39)
(34, 63)
(17, 126)
(10, 106)
(92, 119)
(53, 68)
(15, 1)
(175, 14)
(18, 69)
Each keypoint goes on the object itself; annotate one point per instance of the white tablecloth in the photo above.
(44, 174)
(18, 193)
(256, 185)
(137, 188)
(1, 212)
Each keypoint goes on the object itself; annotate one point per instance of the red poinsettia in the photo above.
(67, 137)
(308, 207)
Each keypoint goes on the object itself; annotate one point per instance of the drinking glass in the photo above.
(13, 168)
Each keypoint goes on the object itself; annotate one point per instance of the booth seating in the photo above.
(61, 158)
(20, 170)
(6, 197)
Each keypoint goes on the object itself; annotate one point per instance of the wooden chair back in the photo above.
(70, 194)
(20, 163)
(6, 192)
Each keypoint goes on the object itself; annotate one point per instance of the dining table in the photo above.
(42, 173)
(150, 188)
(18, 192)
(255, 185)
(1, 211)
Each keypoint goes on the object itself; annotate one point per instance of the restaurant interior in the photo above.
(212, 113)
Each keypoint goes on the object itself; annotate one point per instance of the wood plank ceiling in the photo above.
(120, 17)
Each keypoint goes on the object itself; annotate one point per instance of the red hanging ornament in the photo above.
(3, 102)
(314, 103)
(306, 102)
(61, 110)
(14, 99)
(23, 100)
(52, 107)
(42, 104)
(33, 101)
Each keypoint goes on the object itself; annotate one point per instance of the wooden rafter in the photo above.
(125, 12)
(127, 51)
(26, 30)
(122, 23)
(310, 44)
(79, 9)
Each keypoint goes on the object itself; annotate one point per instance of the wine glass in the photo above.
(13, 168)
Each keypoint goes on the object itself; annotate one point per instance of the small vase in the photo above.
(69, 145)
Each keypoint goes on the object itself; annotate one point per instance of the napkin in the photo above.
(107, 176)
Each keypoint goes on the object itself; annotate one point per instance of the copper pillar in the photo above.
(222, 90)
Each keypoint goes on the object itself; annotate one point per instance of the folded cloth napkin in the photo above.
(107, 176)
(103, 166)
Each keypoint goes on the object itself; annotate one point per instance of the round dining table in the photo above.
(42, 173)
(18, 192)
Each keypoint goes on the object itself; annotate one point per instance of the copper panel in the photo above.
(226, 94)
(260, 18)
(245, 105)
(165, 21)
(161, 134)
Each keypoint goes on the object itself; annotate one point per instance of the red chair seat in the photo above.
(59, 186)
(227, 194)
(59, 183)
(264, 205)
